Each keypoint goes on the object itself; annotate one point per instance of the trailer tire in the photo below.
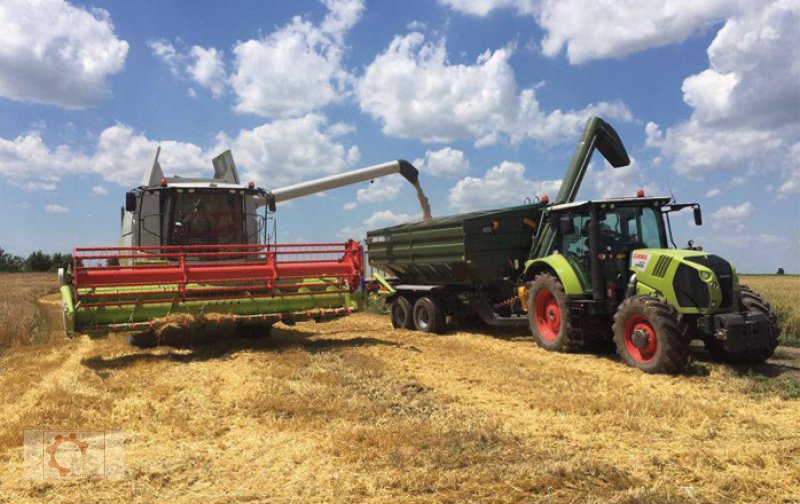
(401, 314)
(754, 301)
(549, 314)
(648, 335)
(429, 315)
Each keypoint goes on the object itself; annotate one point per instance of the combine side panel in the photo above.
(248, 282)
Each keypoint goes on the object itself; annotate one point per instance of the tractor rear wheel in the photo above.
(549, 314)
(648, 335)
(753, 301)
(429, 315)
(401, 315)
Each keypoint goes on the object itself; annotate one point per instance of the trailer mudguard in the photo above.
(561, 267)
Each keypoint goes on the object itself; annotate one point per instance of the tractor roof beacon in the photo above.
(578, 274)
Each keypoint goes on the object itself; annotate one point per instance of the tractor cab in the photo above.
(599, 239)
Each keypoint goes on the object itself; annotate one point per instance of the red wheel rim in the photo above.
(640, 339)
(547, 315)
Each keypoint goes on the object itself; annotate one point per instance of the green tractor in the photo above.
(611, 258)
(578, 273)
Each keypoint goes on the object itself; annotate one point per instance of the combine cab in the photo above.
(202, 249)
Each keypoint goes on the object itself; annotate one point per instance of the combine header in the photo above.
(202, 249)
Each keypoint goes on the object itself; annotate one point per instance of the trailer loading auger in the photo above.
(576, 273)
(194, 249)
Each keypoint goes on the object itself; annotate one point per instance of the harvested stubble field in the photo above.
(783, 292)
(353, 411)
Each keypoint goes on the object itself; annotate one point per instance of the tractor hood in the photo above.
(693, 281)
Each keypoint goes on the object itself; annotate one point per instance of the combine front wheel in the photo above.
(648, 336)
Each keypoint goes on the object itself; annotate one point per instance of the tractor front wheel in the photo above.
(753, 301)
(548, 314)
(648, 336)
(400, 314)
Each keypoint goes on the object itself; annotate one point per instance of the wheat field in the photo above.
(352, 411)
(783, 293)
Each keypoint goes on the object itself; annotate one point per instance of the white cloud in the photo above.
(377, 220)
(121, 155)
(745, 105)
(52, 52)
(484, 7)
(99, 190)
(286, 151)
(208, 69)
(501, 186)
(713, 192)
(297, 68)
(621, 182)
(732, 216)
(444, 163)
(379, 190)
(416, 92)
(204, 66)
(53, 208)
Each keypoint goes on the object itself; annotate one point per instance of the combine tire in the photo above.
(548, 314)
(648, 335)
(401, 314)
(753, 301)
(429, 315)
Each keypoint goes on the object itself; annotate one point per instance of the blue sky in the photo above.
(488, 97)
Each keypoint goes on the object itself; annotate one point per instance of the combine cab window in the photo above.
(207, 218)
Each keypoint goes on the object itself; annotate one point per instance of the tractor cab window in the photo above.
(641, 227)
(207, 218)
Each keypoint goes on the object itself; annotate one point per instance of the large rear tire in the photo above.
(753, 301)
(400, 313)
(648, 336)
(549, 314)
(429, 315)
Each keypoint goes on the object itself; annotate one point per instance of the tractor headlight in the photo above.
(705, 275)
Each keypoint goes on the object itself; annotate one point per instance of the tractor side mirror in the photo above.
(130, 201)
(698, 216)
(565, 225)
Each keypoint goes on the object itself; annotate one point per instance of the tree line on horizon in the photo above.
(37, 261)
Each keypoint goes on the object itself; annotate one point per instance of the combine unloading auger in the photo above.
(199, 249)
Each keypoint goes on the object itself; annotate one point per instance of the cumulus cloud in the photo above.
(55, 53)
(731, 217)
(203, 66)
(122, 154)
(379, 190)
(53, 208)
(377, 220)
(296, 69)
(640, 24)
(415, 92)
(745, 105)
(622, 182)
(502, 185)
(444, 163)
(99, 190)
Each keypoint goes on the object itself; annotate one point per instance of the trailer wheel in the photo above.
(401, 314)
(429, 315)
(648, 335)
(549, 314)
(753, 301)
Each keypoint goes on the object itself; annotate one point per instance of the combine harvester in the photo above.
(577, 273)
(204, 250)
